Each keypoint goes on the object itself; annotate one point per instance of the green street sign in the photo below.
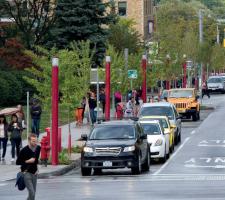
(132, 74)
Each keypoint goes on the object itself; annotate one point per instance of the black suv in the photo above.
(115, 144)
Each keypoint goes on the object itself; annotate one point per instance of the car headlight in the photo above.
(88, 150)
(159, 142)
(128, 149)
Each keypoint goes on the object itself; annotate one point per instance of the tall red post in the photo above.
(144, 83)
(107, 88)
(168, 85)
(185, 75)
(55, 97)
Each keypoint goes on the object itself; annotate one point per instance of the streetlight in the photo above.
(184, 82)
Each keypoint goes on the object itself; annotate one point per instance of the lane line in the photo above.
(171, 158)
(3, 184)
(193, 132)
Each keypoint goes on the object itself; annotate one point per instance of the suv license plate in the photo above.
(107, 164)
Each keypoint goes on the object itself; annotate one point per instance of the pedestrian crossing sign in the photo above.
(132, 74)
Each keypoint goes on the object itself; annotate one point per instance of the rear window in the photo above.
(157, 110)
(112, 132)
(151, 129)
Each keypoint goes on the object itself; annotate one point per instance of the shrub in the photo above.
(4, 88)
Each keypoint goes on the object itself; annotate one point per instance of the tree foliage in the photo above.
(78, 20)
(74, 73)
(33, 18)
(123, 35)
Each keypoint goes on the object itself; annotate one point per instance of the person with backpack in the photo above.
(3, 136)
(28, 159)
(15, 127)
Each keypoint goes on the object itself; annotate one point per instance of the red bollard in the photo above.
(60, 140)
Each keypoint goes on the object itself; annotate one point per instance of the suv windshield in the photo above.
(157, 110)
(112, 132)
(151, 129)
(181, 94)
(215, 80)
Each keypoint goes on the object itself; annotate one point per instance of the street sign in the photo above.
(132, 74)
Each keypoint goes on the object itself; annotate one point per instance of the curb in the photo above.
(207, 108)
(61, 171)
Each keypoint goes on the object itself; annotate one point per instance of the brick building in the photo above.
(141, 11)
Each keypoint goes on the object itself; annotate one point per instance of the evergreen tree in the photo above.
(82, 20)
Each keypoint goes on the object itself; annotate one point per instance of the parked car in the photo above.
(168, 128)
(216, 84)
(158, 140)
(163, 109)
(115, 144)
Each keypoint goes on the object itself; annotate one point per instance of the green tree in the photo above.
(32, 18)
(74, 73)
(78, 20)
(123, 35)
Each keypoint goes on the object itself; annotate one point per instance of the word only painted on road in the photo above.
(205, 162)
(212, 143)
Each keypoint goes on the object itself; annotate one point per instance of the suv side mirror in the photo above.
(172, 126)
(84, 137)
(143, 137)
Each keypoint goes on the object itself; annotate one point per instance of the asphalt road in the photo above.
(196, 170)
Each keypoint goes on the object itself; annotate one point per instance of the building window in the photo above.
(122, 8)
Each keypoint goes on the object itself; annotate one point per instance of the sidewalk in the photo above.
(8, 170)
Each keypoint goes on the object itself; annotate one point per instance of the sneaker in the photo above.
(12, 160)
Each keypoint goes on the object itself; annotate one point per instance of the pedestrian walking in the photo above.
(36, 116)
(205, 90)
(102, 100)
(28, 159)
(3, 136)
(21, 116)
(15, 136)
(129, 112)
(92, 105)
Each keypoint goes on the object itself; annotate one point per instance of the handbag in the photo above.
(20, 183)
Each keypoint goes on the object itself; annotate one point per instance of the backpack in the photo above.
(20, 181)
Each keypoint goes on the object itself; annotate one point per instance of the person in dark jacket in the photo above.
(92, 105)
(28, 159)
(15, 127)
(36, 117)
(3, 136)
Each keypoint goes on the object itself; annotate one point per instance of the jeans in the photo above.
(15, 142)
(3, 145)
(35, 126)
(93, 116)
(31, 183)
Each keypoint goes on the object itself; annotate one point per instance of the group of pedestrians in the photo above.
(13, 130)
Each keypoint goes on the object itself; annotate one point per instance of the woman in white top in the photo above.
(3, 136)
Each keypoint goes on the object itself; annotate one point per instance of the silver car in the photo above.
(163, 109)
(216, 83)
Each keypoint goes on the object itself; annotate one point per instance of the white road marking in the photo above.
(205, 166)
(193, 132)
(171, 158)
(211, 145)
(3, 184)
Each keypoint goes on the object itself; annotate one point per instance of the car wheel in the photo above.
(179, 138)
(198, 115)
(85, 171)
(137, 169)
(146, 165)
(97, 171)
(164, 158)
(194, 117)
